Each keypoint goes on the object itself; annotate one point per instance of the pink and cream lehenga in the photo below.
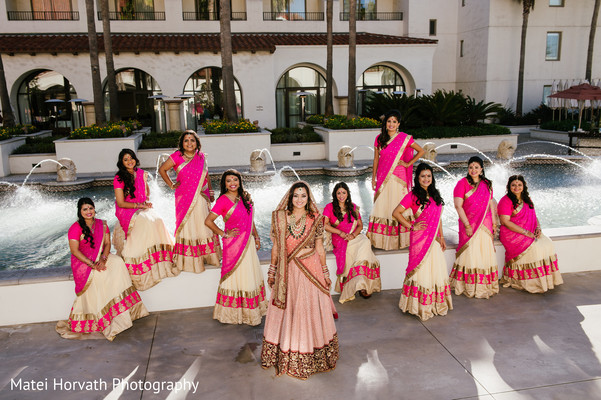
(106, 301)
(241, 293)
(393, 182)
(357, 267)
(148, 249)
(426, 289)
(530, 264)
(475, 272)
(300, 336)
(195, 243)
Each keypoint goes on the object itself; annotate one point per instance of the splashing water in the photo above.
(270, 157)
(37, 165)
(557, 144)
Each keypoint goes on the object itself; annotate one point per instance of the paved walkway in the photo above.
(513, 346)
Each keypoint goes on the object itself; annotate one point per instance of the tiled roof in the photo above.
(196, 42)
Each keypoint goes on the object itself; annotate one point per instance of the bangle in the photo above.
(104, 258)
(271, 272)
(412, 227)
(325, 269)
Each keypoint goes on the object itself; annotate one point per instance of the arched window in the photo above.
(43, 100)
(378, 79)
(135, 91)
(297, 87)
(205, 87)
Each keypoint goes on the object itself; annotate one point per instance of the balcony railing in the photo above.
(212, 16)
(374, 16)
(43, 15)
(293, 16)
(135, 15)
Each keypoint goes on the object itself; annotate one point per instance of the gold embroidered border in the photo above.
(240, 259)
(242, 293)
(467, 244)
(105, 309)
(148, 253)
(414, 271)
(393, 166)
(229, 212)
(89, 281)
(521, 254)
(533, 265)
(472, 191)
(193, 204)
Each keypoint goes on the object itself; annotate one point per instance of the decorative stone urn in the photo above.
(66, 172)
(345, 157)
(257, 162)
(431, 152)
(506, 150)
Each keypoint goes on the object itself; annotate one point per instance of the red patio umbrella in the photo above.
(582, 93)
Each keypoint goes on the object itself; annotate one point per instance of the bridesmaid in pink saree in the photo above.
(426, 290)
(394, 156)
(300, 336)
(106, 301)
(195, 244)
(241, 293)
(148, 249)
(530, 258)
(357, 266)
(475, 272)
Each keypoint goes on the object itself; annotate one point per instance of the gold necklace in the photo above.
(297, 230)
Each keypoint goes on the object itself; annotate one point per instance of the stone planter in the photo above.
(96, 155)
(554, 136)
(6, 148)
(23, 163)
(486, 143)
(297, 152)
(40, 134)
(334, 139)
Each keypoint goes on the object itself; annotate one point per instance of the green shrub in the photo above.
(221, 126)
(154, 140)
(316, 119)
(565, 125)
(378, 104)
(438, 132)
(111, 130)
(342, 122)
(20, 129)
(294, 135)
(38, 145)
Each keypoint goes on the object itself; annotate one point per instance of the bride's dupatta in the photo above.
(515, 243)
(389, 158)
(126, 216)
(81, 271)
(421, 241)
(192, 185)
(340, 244)
(278, 235)
(234, 248)
(476, 204)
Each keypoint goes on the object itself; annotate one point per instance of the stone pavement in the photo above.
(513, 346)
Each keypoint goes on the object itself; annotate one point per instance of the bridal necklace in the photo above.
(297, 230)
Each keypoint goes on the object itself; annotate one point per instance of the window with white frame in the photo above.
(553, 51)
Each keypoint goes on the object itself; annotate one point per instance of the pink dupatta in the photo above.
(398, 148)
(515, 243)
(476, 203)
(234, 215)
(81, 271)
(126, 216)
(421, 241)
(192, 176)
(338, 242)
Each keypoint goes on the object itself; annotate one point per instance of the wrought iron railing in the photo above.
(43, 15)
(135, 15)
(293, 16)
(374, 16)
(212, 16)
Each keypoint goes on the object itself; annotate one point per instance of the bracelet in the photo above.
(411, 228)
(271, 272)
(325, 269)
(104, 258)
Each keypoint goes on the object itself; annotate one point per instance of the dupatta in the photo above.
(192, 175)
(476, 204)
(126, 216)
(81, 271)
(421, 241)
(515, 243)
(279, 225)
(338, 243)
(234, 248)
(395, 150)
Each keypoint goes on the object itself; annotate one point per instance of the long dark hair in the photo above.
(384, 136)
(123, 175)
(87, 233)
(183, 136)
(348, 203)
(290, 206)
(421, 193)
(525, 195)
(243, 194)
(476, 159)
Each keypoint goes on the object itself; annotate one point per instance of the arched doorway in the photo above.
(378, 79)
(43, 100)
(297, 86)
(139, 98)
(204, 97)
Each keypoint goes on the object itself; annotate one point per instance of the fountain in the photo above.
(258, 170)
(506, 150)
(346, 163)
(468, 146)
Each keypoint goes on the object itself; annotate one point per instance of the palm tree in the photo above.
(110, 65)
(351, 110)
(527, 6)
(329, 63)
(229, 104)
(95, 65)
(591, 41)
(7, 110)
